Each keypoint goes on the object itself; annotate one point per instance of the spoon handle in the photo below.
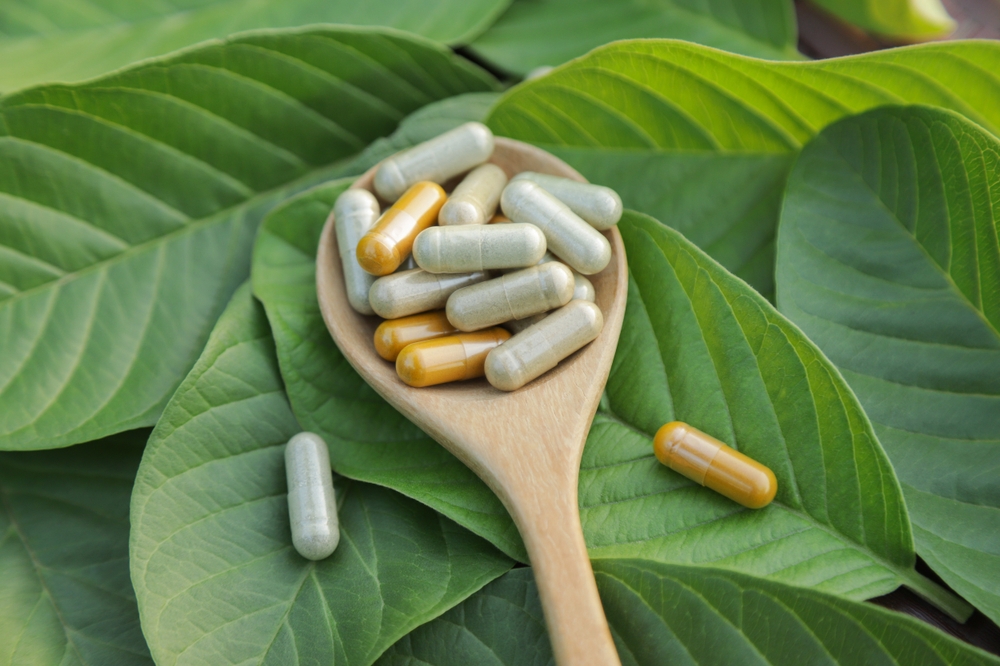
(550, 526)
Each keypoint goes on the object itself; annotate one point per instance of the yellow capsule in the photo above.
(388, 243)
(438, 159)
(391, 336)
(451, 359)
(410, 292)
(475, 199)
(707, 461)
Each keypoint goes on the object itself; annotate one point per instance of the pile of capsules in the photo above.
(503, 297)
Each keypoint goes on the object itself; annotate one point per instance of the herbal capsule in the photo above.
(312, 506)
(513, 296)
(436, 160)
(391, 336)
(477, 247)
(410, 292)
(387, 244)
(354, 214)
(599, 206)
(475, 199)
(538, 349)
(576, 242)
(582, 290)
(451, 359)
(707, 461)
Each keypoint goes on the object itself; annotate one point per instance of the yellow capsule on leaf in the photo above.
(707, 461)
(451, 359)
(393, 335)
(388, 243)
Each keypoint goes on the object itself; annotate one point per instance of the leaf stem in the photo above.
(952, 604)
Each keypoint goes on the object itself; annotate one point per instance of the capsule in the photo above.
(477, 247)
(598, 206)
(435, 160)
(410, 292)
(312, 505)
(582, 290)
(354, 214)
(576, 242)
(388, 243)
(391, 336)
(707, 461)
(513, 296)
(475, 199)
(451, 359)
(539, 348)
(499, 219)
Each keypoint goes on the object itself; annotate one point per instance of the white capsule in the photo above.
(583, 290)
(599, 206)
(477, 247)
(354, 214)
(437, 160)
(539, 348)
(513, 296)
(410, 292)
(475, 199)
(576, 242)
(312, 505)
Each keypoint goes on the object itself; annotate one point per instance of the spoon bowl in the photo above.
(527, 444)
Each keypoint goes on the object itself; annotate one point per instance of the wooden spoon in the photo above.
(526, 445)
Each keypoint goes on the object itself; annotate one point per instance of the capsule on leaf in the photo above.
(312, 505)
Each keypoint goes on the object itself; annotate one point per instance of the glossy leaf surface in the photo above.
(670, 614)
(215, 574)
(73, 40)
(535, 33)
(129, 206)
(65, 594)
(907, 19)
(888, 259)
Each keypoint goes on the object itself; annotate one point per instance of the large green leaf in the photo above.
(65, 595)
(697, 345)
(906, 19)
(129, 205)
(534, 33)
(629, 115)
(215, 574)
(888, 259)
(73, 40)
(678, 615)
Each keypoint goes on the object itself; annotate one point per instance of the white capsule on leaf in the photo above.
(599, 206)
(475, 199)
(312, 504)
(477, 247)
(436, 160)
(354, 214)
(577, 243)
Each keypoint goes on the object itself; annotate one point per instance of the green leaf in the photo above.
(699, 346)
(129, 206)
(73, 40)
(902, 19)
(213, 566)
(535, 33)
(369, 440)
(681, 615)
(682, 188)
(65, 595)
(888, 259)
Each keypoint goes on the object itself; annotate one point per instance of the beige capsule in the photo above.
(477, 247)
(576, 242)
(513, 296)
(354, 214)
(536, 350)
(410, 292)
(475, 199)
(599, 206)
(583, 290)
(437, 160)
